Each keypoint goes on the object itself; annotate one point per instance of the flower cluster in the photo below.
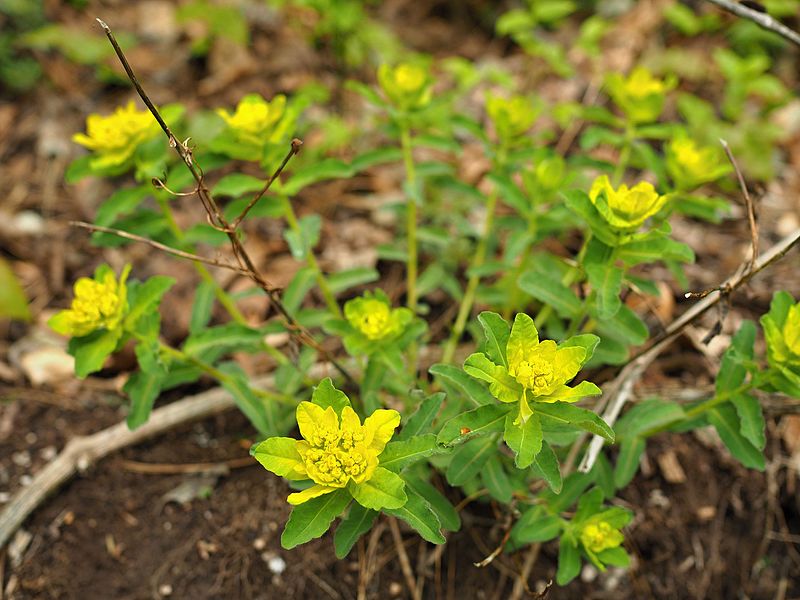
(782, 331)
(373, 316)
(640, 95)
(407, 86)
(99, 303)
(625, 209)
(114, 138)
(511, 117)
(536, 371)
(254, 119)
(691, 165)
(336, 452)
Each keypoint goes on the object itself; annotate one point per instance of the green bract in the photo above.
(113, 139)
(99, 303)
(640, 95)
(511, 117)
(533, 371)
(336, 452)
(691, 165)
(407, 86)
(371, 323)
(625, 208)
(782, 332)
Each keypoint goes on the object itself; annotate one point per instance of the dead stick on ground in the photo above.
(405, 564)
(81, 452)
(759, 18)
(622, 386)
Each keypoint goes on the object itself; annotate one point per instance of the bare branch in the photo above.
(159, 246)
(761, 19)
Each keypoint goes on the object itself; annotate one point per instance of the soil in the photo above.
(705, 527)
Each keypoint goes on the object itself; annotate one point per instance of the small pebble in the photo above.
(395, 589)
(4, 497)
(48, 452)
(21, 459)
(167, 526)
(31, 437)
(165, 589)
(259, 544)
(25, 480)
(276, 564)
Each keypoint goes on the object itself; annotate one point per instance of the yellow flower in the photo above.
(407, 86)
(99, 303)
(114, 138)
(640, 96)
(373, 317)
(255, 120)
(597, 536)
(691, 165)
(625, 209)
(336, 452)
(512, 117)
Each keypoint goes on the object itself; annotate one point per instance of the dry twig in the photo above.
(759, 18)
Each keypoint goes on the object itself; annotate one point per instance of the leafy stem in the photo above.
(625, 153)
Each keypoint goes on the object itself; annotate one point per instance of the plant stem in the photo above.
(478, 259)
(568, 279)
(311, 260)
(514, 296)
(222, 296)
(219, 375)
(625, 153)
(411, 218)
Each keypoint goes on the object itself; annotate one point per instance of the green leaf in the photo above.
(587, 341)
(547, 462)
(417, 513)
(445, 512)
(569, 562)
(214, 342)
(580, 417)
(399, 454)
(376, 157)
(461, 382)
(606, 280)
(536, 525)
(326, 395)
(260, 412)
(13, 303)
(121, 202)
(604, 476)
(421, 419)
(646, 415)
(238, 184)
(143, 387)
(654, 250)
(497, 330)
(468, 460)
(630, 455)
(350, 278)
(91, 351)
(358, 521)
(479, 421)
(145, 297)
(625, 326)
(501, 385)
(202, 306)
(297, 289)
(616, 557)
(302, 241)
(572, 394)
(313, 518)
(496, 480)
(383, 490)
(549, 290)
(726, 422)
(525, 439)
(329, 168)
(579, 203)
(510, 193)
(751, 418)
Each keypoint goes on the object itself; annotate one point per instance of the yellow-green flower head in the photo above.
(99, 303)
(115, 137)
(512, 117)
(255, 121)
(336, 451)
(640, 95)
(598, 535)
(533, 370)
(791, 330)
(691, 165)
(407, 86)
(373, 317)
(625, 209)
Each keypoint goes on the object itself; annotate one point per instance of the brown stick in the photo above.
(761, 19)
